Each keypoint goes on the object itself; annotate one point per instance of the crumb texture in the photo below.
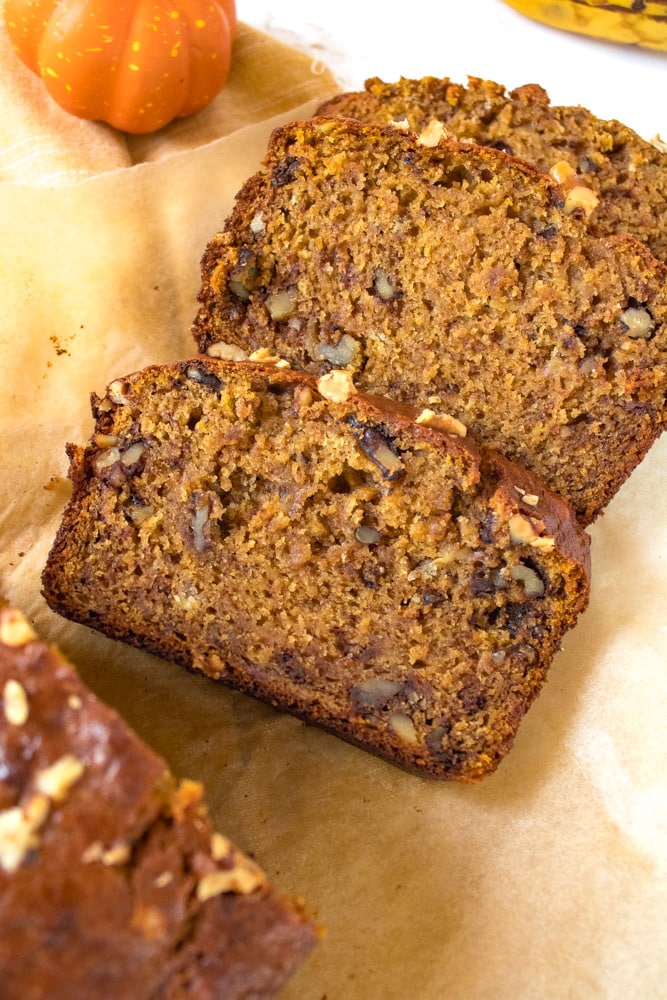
(342, 559)
(453, 277)
(112, 881)
(627, 174)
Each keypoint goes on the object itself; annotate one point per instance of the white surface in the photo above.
(461, 38)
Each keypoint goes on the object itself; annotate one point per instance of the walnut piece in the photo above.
(432, 134)
(531, 580)
(56, 780)
(14, 628)
(243, 877)
(281, 305)
(15, 701)
(523, 531)
(257, 224)
(266, 357)
(404, 728)
(228, 352)
(367, 535)
(638, 322)
(339, 354)
(117, 854)
(18, 831)
(577, 194)
(383, 285)
(337, 386)
(442, 422)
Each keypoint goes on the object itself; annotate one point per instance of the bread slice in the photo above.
(627, 173)
(453, 276)
(351, 561)
(113, 883)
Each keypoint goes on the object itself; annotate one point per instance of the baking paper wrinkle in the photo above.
(545, 881)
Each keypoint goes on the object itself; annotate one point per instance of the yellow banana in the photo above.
(633, 22)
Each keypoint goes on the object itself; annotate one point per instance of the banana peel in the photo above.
(631, 22)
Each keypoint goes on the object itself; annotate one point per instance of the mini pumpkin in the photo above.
(136, 64)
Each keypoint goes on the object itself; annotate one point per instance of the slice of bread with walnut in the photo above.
(452, 276)
(358, 563)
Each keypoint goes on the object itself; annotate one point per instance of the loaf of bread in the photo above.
(453, 276)
(627, 173)
(113, 885)
(354, 562)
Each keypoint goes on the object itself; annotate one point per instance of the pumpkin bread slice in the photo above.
(354, 562)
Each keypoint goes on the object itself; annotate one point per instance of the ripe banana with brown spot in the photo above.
(633, 22)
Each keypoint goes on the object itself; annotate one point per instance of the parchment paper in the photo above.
(546, 881)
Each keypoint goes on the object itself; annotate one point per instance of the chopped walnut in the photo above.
(198, 523)
(257, 224)
(57, 779)
(15, 629)
(532, 499)
(404, 728)
(580, 197)
(428, 569)
(523, 532)
(221, 847)
(367, 535)
(15, 702)
(118, 392)
(163, 879)
(337, 386)
(442, 422)
(245, 277)
(106, 440)
(227, 352)
(531, 580)
(638, 322)
(117, 854)
(244, 878)
(432, 134)
(282, 305)
(265, 356)
(375, 693)
(383, 285)
(378, 448)
(562, 172)
(106, 458)
(339, 354)
(577, 194)
(132, 453)
(18, 831)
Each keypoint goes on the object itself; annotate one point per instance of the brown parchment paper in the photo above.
(546, 881)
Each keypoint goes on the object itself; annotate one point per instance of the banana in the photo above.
(632, 22)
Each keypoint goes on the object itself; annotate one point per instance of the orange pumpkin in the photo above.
(136, 64)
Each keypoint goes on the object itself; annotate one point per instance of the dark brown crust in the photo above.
(72, 925)
(499, 486)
